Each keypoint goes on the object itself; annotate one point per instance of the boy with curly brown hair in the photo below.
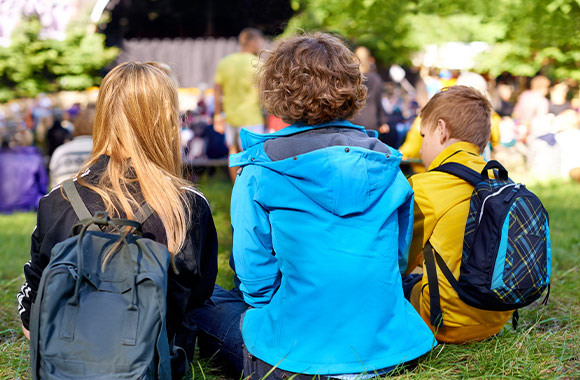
(322, 220)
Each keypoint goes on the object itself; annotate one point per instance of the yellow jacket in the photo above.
(411, 148)
(441, 209)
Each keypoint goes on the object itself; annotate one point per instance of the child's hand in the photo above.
(26, 332)
(219, 124)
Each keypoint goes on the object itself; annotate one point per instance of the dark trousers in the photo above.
(409, 282)
(219, 337)
(219, 328)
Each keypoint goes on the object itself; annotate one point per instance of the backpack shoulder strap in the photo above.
(83, 212)
(143, 213)
(75, 200)
(436, 316)
(467, 174)
(433, 260)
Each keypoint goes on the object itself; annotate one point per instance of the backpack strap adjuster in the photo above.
(101, 218)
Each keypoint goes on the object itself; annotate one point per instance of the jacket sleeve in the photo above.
(405, 214)
(206, 247)
(255, 262)
(423, 224)
(32, 270)
(411, 148)
(42, 177)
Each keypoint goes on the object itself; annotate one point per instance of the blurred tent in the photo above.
(451, 55)
(192, 60)
(190, 36)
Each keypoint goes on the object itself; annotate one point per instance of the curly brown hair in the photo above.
(311, 79)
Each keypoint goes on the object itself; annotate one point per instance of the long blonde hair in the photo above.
(137, 126)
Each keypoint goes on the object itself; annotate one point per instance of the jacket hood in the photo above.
(344, 178)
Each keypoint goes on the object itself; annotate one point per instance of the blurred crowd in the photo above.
(535, 128)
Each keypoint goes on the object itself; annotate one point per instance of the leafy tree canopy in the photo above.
(31, 65)
(376, 24)
(526, 36)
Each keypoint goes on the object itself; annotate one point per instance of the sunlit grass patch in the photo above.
(545, 346)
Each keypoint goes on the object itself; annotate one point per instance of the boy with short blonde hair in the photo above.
(455, 127)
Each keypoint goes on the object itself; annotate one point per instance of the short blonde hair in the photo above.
(311, 79)
(465, 111)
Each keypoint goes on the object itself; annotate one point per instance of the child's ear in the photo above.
(443, 131)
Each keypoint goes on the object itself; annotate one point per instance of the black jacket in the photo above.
(196, 263)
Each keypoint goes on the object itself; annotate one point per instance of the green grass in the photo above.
(15, 231)
(546, 345)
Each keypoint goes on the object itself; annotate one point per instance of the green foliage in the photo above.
(545, 345)
(31, 65)
(377, 24)
(432, 29)
(540, 36)
(526, 36)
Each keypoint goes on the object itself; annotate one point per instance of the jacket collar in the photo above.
(452, 150)
(250, 139)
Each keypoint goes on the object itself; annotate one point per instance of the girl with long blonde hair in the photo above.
(135, 161)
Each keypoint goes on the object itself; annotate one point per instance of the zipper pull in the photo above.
(510, 194)
(73, 272)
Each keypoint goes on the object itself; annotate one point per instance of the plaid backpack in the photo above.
(506, 248)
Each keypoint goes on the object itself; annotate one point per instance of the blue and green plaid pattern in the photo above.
(506, 255)
(525, 269)
(481, 191)
(525, 273)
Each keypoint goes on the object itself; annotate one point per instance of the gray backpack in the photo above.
(102, 324)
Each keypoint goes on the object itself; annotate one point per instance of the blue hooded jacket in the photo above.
(322, 219)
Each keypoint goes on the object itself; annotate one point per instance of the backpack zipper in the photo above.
(54, 271)
(51, 272)
(517, 186)
(73, 272)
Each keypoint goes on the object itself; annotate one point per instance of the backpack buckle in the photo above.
(101, 217)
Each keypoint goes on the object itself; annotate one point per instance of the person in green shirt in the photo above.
(236, 96)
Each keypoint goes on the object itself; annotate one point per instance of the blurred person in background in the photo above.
(506, 105)
(57, 134)
(448, 78)
(236, 96)
(559, 98)
(372, 116)
(40, 109)
(68, 158)
(432, 81)
(532, 104)
(23, 177)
